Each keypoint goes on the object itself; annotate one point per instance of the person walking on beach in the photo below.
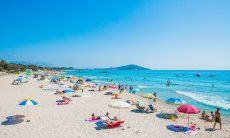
(217, 118)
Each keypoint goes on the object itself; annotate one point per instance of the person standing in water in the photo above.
(217, 118)
(168, 83)
(154, 97)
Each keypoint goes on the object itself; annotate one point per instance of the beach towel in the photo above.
(192, 132)
(177, 128)
(100, 124)
(63, 103)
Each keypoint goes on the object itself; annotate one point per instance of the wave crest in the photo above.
(207, 99)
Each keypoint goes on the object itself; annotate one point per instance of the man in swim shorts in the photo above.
(217, 118)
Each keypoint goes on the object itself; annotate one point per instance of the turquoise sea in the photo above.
(205, 92)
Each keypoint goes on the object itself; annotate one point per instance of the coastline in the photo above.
(50, 120)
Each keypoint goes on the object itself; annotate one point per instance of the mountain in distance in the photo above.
(126, 67)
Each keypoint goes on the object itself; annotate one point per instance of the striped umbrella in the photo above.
(27, 102)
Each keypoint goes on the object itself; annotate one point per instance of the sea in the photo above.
(207, 92)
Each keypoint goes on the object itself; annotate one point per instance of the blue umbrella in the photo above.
(177, 101)
(27, 102)
(69, 91)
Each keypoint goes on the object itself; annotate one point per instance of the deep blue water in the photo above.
(195, 90)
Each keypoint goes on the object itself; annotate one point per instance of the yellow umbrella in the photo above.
(147, 95)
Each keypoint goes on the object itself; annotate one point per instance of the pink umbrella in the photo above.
(188, 109)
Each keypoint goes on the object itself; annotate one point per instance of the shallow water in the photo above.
(195, 90)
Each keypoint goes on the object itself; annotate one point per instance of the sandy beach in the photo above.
(47, 119)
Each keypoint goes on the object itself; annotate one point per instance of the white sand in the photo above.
(50, 120)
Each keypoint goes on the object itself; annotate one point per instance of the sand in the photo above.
(49, 120)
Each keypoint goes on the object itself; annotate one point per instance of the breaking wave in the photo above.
(207, 99)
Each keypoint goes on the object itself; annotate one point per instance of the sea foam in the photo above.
(142, 86)
(207, 99)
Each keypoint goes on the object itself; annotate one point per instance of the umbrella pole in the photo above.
(188, 120)
(27, 114)
(119, 114)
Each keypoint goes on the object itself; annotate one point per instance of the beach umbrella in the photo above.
(176, 101)
(147, 95)
(119, 105)
(188, 109)
(69, 91)
(27, 102)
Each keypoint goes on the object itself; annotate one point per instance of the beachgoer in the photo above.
(204, 116)
(168, 83)
(213, 85)
(217, 118)
(212, 116)
(154, 97)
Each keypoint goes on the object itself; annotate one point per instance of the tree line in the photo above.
(11, 67)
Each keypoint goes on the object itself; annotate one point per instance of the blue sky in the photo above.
(160, 34)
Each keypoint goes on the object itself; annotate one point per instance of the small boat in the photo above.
(104, 72)
(210, 76)
(198, 75)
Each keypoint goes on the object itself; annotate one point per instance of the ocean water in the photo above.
(198, 91)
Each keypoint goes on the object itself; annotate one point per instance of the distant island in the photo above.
(126, 67)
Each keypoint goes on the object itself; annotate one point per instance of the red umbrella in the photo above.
(188, 109)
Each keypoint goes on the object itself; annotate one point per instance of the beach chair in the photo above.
(63, 103)
(114, 125)
(141, 108)
(150, 109)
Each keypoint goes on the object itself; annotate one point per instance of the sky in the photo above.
(159, 34)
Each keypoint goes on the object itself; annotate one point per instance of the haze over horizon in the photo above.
(159, 34)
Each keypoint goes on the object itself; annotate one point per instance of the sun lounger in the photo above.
(114, 125)
(141, 108)
(63, 103)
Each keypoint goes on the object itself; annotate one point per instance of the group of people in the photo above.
(216, 118)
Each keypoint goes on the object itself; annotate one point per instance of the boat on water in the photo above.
(210, 76)
(198, 75)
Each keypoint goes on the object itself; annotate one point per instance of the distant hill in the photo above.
(131, 67)
(126, 67)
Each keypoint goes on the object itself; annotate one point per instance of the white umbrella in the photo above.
(119, 105)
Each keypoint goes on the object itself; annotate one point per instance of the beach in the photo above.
(47, 119)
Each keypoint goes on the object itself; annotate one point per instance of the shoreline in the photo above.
(69, 120)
